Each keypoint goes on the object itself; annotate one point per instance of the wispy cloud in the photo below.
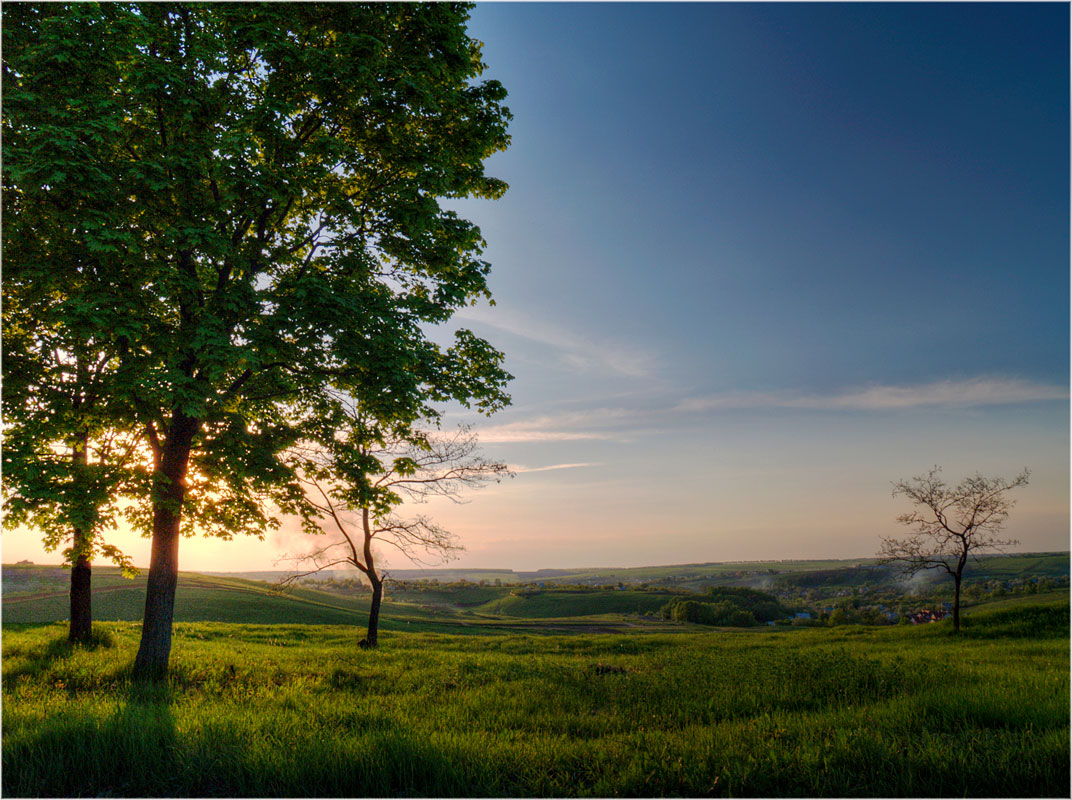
(507, 433)
(596, 423)
(577, 353)
(519, 468)
(966, 393)
(625, 424)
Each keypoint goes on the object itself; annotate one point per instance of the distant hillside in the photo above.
(757, 574)
(40, 594)
(442, 575)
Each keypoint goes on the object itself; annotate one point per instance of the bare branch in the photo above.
(290, 580)
(950, 524)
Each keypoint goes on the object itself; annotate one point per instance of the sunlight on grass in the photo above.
(296, 710)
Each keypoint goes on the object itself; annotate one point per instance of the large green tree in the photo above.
(262, 184)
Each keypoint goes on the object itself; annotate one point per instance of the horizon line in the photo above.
(565, 569)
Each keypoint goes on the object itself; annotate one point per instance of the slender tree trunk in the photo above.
(170, 480)
(81, 573)
(956, 603)
(372, 636)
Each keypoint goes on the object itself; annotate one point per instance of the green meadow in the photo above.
(485, 706)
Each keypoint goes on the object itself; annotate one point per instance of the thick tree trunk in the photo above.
(170, 479)
(372, 636)
(81, 600)
(81, 573)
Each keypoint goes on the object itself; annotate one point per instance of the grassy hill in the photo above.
(299, 710)
(1019, 565)
(694, 577)
(39, 594)
(624, 705)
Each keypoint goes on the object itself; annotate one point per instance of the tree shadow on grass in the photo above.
(137, 752)
(38, 658)
(133, 752)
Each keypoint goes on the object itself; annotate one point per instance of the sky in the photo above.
(757, 262)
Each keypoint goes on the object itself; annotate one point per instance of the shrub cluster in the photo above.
(729, 606)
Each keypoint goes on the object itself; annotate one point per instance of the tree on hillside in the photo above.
(259, 186)
(63, 468)
(355, 482)
(949, 524)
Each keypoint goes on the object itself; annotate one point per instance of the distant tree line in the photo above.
(841, 577)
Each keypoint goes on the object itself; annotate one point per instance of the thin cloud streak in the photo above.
(567, 427)
(518, 468)
(505, 434)
(940, 394)
(578, 353)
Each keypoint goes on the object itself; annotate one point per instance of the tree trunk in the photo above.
(81, 599)
(956, 604)
(371, 638)
(170, 482)
(81, 573)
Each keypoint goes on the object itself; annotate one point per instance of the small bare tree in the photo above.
(950, 523)
(354, 492)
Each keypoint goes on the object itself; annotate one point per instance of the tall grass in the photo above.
(289, 710)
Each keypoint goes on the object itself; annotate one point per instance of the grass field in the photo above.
(297, 710)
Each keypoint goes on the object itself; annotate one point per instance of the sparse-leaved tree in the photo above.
(950, 523)
(358, 478)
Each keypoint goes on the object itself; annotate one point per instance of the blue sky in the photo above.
(759, 261)
(778, 195)
(756, 263)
